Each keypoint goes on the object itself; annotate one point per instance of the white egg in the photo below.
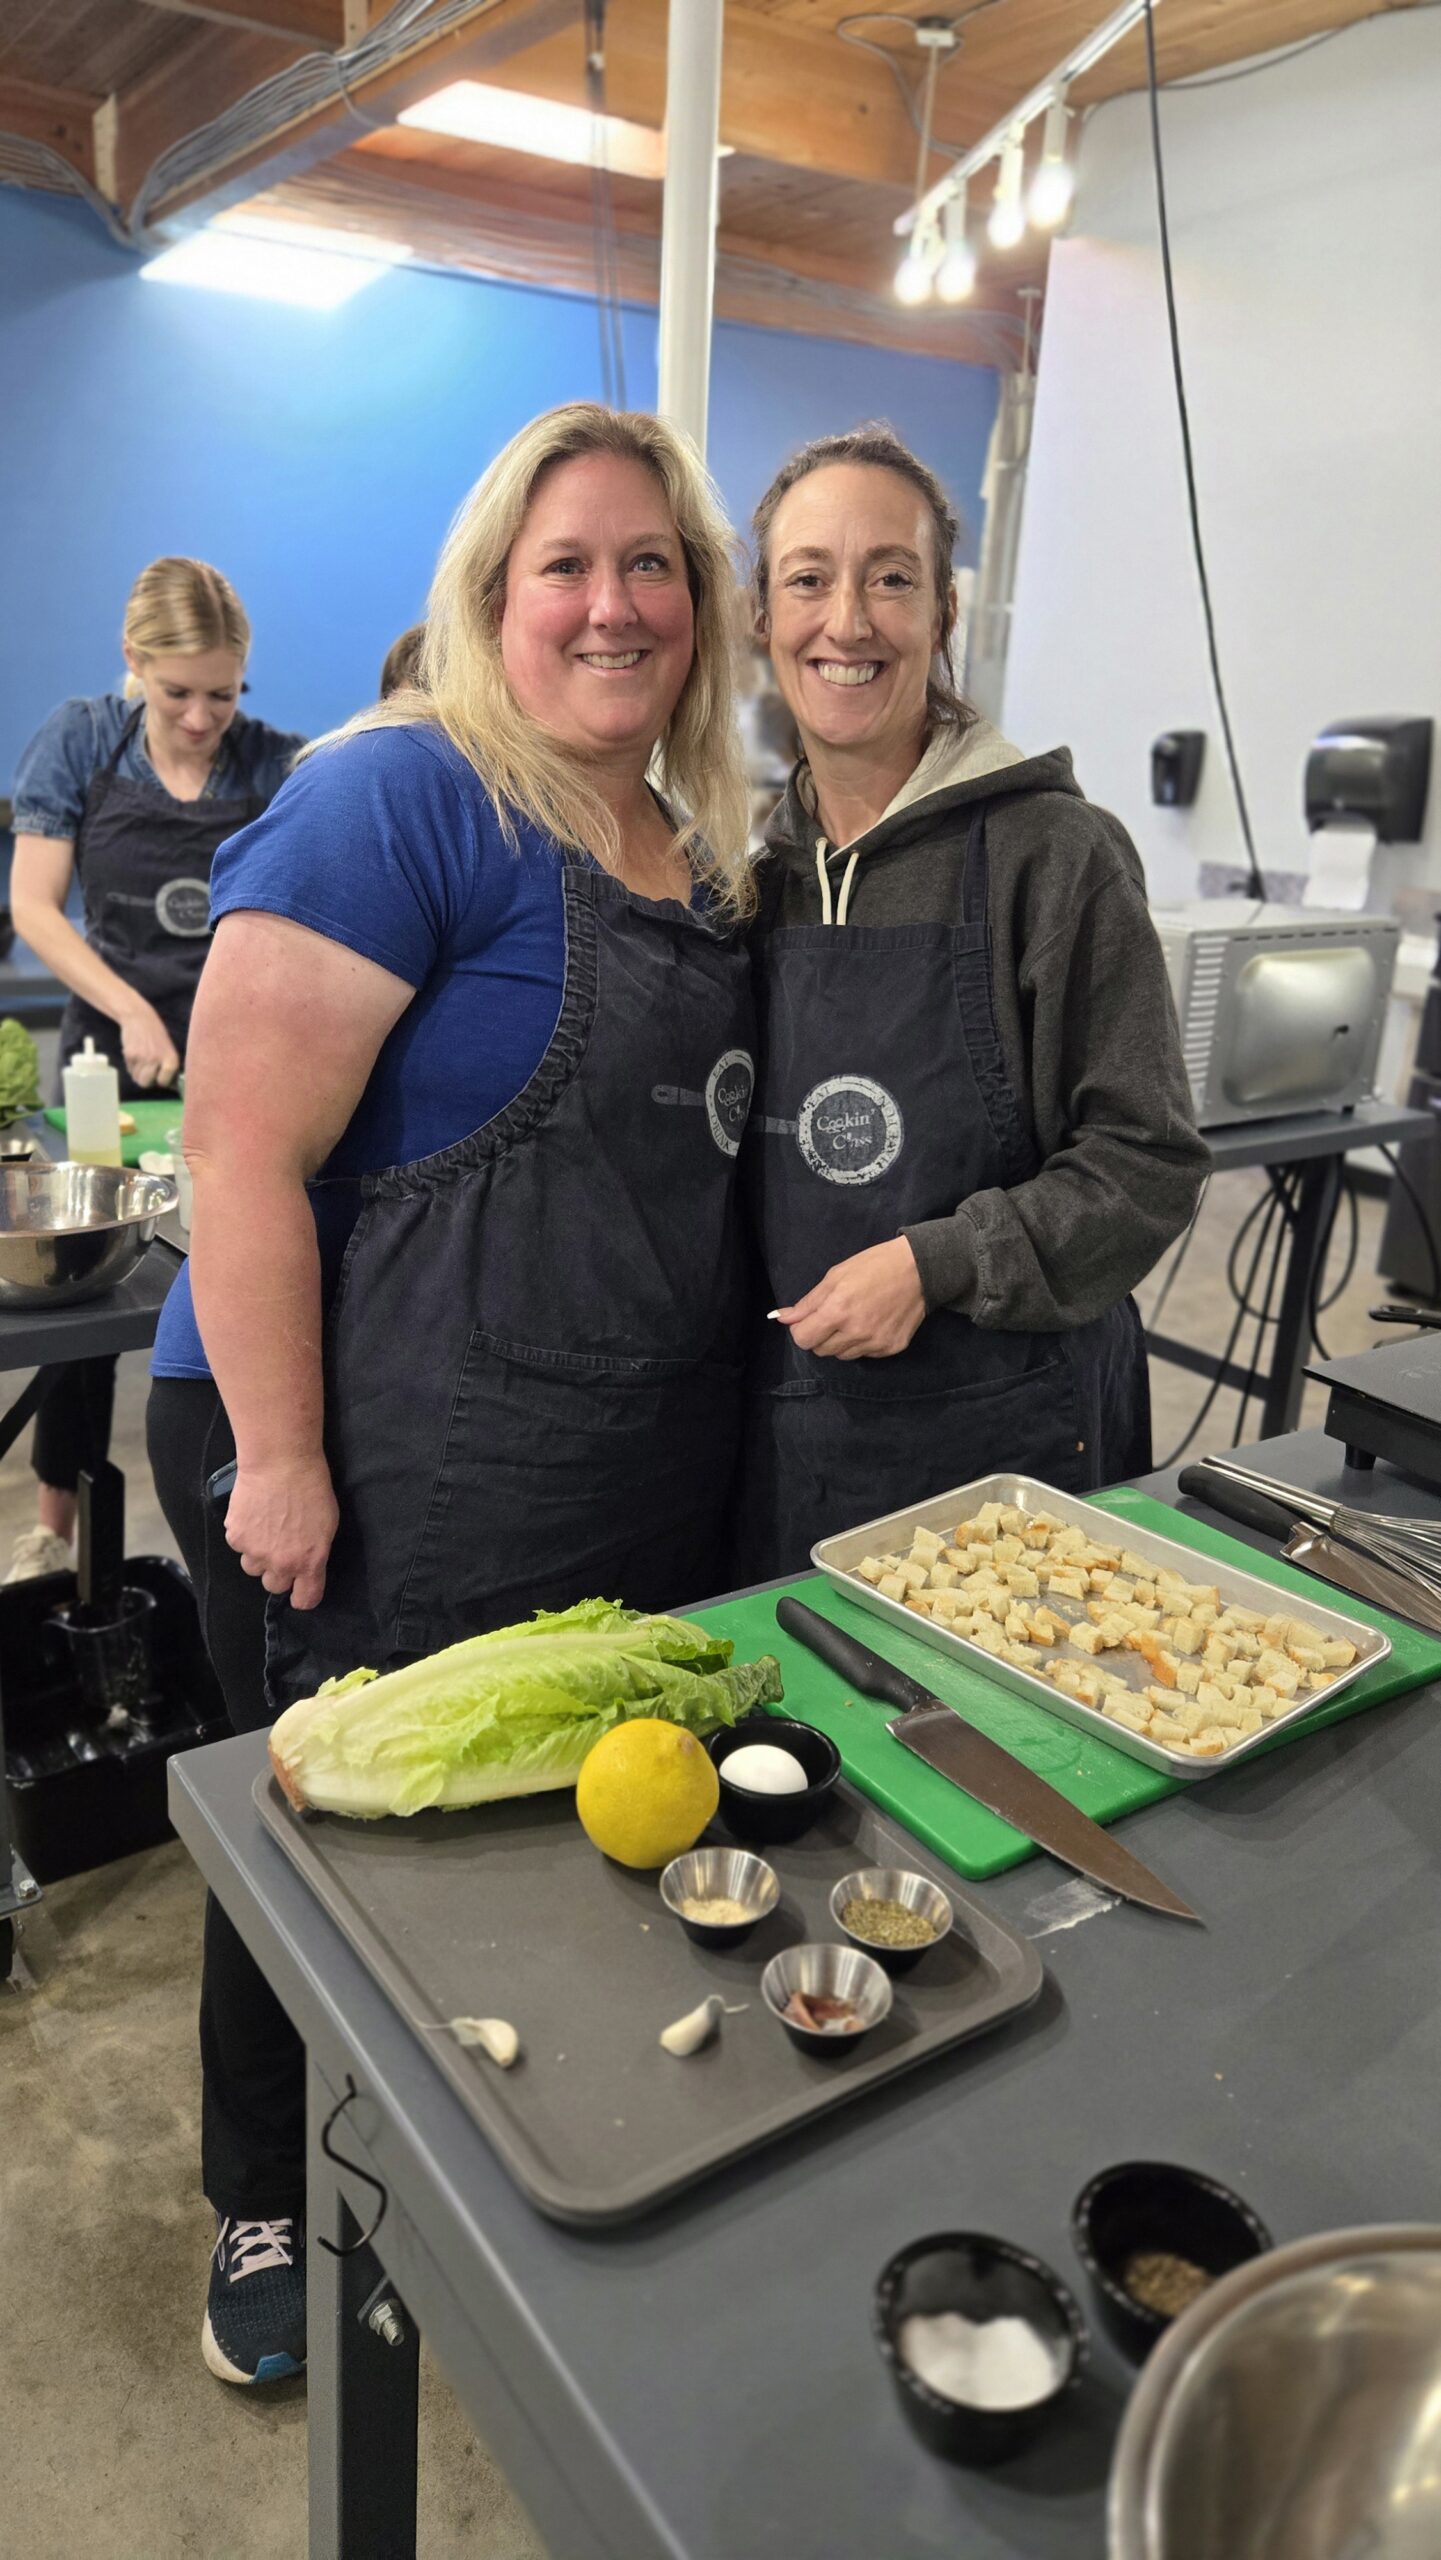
(765, 1770)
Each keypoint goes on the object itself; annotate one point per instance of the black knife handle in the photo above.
(1238, 1501)
(869, 1672)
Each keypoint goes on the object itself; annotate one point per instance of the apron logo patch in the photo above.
(729, 1089)
(183, 907)
(850, 1130)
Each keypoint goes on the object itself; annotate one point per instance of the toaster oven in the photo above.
(1281, 1008)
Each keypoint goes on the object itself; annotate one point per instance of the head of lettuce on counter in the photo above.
(507, 1714)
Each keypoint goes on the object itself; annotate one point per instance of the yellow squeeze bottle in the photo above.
(92, 1108)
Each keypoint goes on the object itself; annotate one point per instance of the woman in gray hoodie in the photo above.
(973, 1131)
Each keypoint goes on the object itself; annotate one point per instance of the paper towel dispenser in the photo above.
(1176, 767)
(1374, 772)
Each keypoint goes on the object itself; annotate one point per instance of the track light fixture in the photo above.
(916, 273)
(1054, 184)
(1007, 224)
(956, 274)
(942, 255)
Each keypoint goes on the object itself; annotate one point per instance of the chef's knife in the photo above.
(939, 1735)
(1332, 1558)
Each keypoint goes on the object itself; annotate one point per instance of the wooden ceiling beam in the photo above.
(170, 103)
(789, 93)
(318, 25)
(479, 47)
(853, 124)
(63, 118)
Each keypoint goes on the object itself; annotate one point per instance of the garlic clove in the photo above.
(686, 2035)
(495, 2036)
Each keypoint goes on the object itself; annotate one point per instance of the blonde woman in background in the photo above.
(463, 1112)
(133, 792)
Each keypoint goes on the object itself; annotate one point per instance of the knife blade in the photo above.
(941, 1736)
(1382, 1584)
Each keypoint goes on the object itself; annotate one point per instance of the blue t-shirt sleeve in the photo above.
(371, 843)
(55, 771)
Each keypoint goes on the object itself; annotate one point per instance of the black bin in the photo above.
(81, 1793)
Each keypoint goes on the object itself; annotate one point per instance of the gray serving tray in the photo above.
(508, 1912)
(838, 1557)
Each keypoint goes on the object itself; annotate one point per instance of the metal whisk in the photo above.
(1405, 1546)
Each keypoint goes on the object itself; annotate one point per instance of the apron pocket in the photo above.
(566, 1476)
(827, 1461)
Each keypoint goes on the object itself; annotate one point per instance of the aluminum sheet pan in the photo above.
(837, 1557)
(508, 1912)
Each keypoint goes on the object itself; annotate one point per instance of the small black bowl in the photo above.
(749, 1816)
(1152, 2204)
(983, 2279)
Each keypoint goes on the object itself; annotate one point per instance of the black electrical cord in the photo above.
(1345, 1190)
(609, 313)
(1270, 1206)
(1285, 1202)
(1264, 1200)
(1257, 885)
(1423, 1218)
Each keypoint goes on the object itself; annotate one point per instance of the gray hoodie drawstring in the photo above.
(838, 916)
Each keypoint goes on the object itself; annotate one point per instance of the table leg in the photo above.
(1319, 1185)
(363, 2392)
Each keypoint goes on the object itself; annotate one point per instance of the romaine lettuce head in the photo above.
(507, 1714)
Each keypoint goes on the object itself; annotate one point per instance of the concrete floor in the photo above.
(117, 2444)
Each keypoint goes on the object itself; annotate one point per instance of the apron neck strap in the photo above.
(130, 730)
(975, 882)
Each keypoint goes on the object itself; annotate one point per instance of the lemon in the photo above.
(646, 1792)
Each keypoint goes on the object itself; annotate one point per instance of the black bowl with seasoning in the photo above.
(1154, 2209)
(901, 1897)
(748, 1815)
(983, 2279)
(719, 1875)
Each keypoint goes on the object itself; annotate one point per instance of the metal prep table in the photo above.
(46, 1338)
(1319, 1142)
(702, 2385)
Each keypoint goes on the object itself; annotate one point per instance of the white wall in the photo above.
(1305, 207)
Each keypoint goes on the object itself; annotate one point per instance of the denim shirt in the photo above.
(68, 750)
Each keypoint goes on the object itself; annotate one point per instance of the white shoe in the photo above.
(39, 1551)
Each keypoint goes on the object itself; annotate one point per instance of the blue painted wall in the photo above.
(317, 457)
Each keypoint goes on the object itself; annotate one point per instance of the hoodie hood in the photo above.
(954, 772)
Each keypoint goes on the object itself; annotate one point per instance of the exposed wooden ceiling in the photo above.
(823, 148)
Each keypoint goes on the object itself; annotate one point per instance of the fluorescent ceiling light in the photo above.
(511, 121)
(276, 262)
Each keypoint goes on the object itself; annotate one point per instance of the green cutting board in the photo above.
(153, 1123)
(1104, 1782)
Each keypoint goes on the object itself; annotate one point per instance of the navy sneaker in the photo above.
(255, 2310)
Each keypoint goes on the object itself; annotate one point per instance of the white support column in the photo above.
(687, 256)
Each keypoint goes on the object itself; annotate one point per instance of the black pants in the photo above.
(72, 1427)
(252, 2143)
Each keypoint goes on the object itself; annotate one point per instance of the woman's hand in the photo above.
(864, 1309)
(280, 1520)
(146, 1045)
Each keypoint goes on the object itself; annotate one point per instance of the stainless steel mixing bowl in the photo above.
(69, 1231)
(1294, 2411)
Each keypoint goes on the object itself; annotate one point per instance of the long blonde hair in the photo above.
(181, 608)
(462, 682)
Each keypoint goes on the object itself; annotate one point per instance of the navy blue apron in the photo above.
(883, 1103)
(533, 1357)
(143, 861)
